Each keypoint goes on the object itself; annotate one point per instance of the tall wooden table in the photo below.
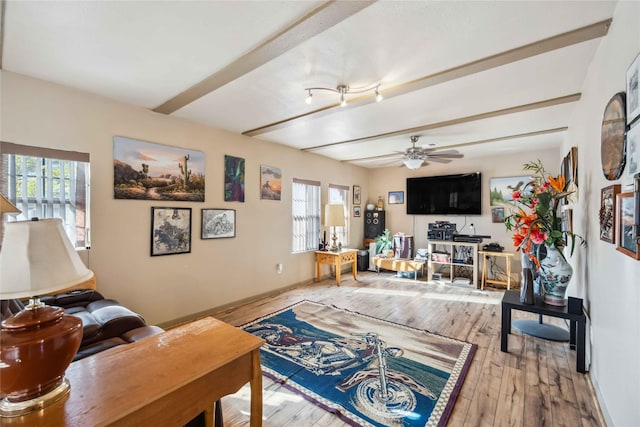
(338, 258)
(166, 379)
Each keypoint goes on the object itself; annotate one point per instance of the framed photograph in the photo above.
(501, 189)
(356, 195)
(233, 179)
(270, 183)
(633, 151)
(170, 231)
(608, 213)
(497, 214)
(633, 90)
(566, 218)
(625, 242)
(396, 197)
(149, 171)
(356, 211)
(218, 223)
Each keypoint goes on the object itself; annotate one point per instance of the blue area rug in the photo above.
(368, 371)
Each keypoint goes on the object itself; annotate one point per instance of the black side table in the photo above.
(577, 323)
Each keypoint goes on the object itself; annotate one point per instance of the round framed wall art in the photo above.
(612, 148)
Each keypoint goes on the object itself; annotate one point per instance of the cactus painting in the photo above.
(147, 171)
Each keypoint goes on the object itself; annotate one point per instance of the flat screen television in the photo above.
(445, 195)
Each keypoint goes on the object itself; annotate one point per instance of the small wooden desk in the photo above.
(338, 258)
(399, 264)
(166, 379)
(507, 259)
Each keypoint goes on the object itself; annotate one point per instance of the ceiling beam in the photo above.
(463, 144)
(2, 13)
(559, 41)
(315, 22)
(511, 110)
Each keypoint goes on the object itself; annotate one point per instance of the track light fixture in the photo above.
(343, 90)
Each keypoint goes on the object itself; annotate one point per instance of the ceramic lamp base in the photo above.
(15, 409)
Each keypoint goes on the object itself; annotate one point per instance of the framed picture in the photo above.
(396, 197)
(356, 211)
(233, 179)
(569, 170)
(633, 151)
(501, 190)
(170, 231)
(566, 218)
(497, 214)
(608, 213)
(270, 183)
(625, 242)
(633, 90)
(149, 171)
(218, 223)
(356, 195)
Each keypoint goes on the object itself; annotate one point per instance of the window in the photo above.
(340, 194)
(306, 215)
(47, 183)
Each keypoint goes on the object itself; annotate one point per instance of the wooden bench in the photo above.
(404, 265)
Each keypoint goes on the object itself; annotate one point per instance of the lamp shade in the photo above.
(37, 258)
(7, 207)
(413, 163)
(334, 215)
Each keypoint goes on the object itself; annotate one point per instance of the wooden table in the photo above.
(507, 258)
(399, 264)
(166, 379)
(337, 259)
(577, 323)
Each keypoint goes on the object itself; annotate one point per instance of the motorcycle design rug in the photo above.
(368, 371)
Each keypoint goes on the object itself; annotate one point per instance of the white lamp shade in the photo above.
(334, 215)
(413, 163)
(37, 258)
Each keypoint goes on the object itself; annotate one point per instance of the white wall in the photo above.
(605, 278)
(216, 272)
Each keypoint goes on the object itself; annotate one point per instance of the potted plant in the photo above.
(384, 243)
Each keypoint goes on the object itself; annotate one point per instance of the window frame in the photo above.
(305, 215)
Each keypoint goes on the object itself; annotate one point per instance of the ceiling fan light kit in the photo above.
(343, 90)
(415, 157)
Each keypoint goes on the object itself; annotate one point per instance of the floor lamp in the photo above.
(334, 217)
(39, 342)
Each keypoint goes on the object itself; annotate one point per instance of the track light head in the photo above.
(379, 96)
(309, 99)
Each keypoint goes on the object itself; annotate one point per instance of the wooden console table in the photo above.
(338, 258)
(399, 264)
(166, 379)
(577, 323)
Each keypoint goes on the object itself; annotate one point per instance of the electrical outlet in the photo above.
(279, 268)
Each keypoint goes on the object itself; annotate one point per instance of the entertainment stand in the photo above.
(448, 257)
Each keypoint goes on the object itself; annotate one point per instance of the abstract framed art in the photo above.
(218, 223)
(170, 231)
(233, 179)
(396, 197)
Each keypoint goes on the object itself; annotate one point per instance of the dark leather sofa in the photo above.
(105, 322)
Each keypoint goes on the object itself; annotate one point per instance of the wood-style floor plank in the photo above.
(535, 384)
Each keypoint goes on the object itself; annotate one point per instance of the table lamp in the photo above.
(39, 342)
(334, 217)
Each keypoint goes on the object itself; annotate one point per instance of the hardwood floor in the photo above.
(535, 384)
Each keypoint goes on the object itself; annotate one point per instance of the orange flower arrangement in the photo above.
(536, 221)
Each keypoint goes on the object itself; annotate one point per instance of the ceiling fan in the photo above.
(416, 157)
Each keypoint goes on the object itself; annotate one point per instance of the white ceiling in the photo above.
(457, 73)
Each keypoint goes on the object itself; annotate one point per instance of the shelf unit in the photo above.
(450, 250)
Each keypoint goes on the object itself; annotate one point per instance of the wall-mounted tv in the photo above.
(445, 195)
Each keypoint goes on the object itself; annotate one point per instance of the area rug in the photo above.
(368, 371)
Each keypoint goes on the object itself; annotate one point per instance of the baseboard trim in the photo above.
(211, 311)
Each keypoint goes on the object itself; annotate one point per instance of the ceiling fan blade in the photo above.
(449, 153)
(438, 159)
